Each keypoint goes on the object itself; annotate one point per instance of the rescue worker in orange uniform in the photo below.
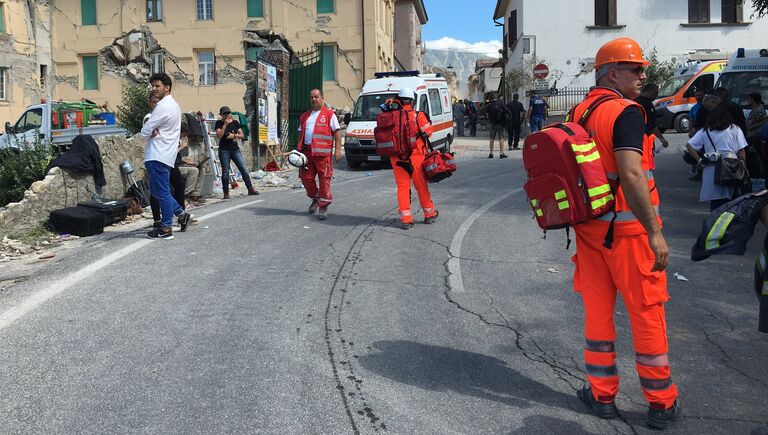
(319, 138)
(409, 169)
(624, 251)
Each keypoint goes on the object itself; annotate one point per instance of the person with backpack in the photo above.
(407, 168)
(498, 117)
(623, 251)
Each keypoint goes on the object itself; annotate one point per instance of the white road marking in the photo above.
(9, 316)
(454, 263)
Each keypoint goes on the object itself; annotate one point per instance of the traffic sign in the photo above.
(541, 71)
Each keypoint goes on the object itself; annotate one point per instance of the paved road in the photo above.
(264, 320)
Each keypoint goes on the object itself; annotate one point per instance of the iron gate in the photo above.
(306, 73)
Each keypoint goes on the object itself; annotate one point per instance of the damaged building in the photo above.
(25, 55)
(205, 46)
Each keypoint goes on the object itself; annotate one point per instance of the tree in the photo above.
(134, 106)
(760, 7)
(659, 71)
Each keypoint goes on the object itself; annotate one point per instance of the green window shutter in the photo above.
(2, 18)
(329, 62)
(252, 53)
(88, 8)
(325, 6)
(90, 72)
(255, 8)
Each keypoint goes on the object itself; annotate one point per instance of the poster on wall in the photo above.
(267, 88)
(263, 133)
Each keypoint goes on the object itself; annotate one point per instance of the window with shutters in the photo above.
(698, 11)
(90, 72)
(154, 10)
(733, 11)
(328, 57)
(2, 18)
(3, 83)
(255, 8)
(88, 9)
(605, 13)
(325, 7)
(512, 29)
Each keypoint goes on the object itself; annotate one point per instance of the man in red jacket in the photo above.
(319, 137)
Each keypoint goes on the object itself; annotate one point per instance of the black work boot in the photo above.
(661, 418)
(600, 409)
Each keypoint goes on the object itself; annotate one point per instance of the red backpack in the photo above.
(567, 183)
(391, 133)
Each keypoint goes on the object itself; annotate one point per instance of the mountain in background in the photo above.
(463, 64)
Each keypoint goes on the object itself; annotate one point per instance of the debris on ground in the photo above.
(553, 270)
(680, 277)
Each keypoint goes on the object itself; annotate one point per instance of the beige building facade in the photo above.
(204, 45)
(25, 56)
(410, 15)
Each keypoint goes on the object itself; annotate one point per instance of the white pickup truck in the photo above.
(38, 120)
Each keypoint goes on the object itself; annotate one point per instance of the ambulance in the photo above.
(432, 97)
(747, 72)
(676, 94)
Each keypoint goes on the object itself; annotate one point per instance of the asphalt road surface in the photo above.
(262, 319)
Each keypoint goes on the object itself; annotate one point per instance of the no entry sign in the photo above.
(541, 71)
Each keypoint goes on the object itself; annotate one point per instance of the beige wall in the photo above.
(408, 44)
(24, 47)
(182, 36)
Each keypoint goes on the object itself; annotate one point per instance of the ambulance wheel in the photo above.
(682, 123)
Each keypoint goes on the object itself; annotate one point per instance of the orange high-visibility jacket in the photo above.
(600, 126)
(322, 137)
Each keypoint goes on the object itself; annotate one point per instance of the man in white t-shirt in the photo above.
(162, 133)
(319, 137)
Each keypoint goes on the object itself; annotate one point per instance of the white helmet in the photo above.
(406, 93)
(298, 159)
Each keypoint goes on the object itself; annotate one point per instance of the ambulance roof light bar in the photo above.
(380, 75)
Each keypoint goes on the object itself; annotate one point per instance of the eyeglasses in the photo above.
(635, 69)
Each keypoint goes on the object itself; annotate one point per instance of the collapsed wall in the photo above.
(65, 188)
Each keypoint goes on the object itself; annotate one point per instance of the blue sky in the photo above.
(462, 24)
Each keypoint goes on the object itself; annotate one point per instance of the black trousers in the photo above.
(513, 133)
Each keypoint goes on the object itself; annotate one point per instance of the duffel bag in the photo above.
(438, 166)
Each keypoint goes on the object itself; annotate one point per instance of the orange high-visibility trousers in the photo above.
(403, 182)
(600, 272)
(320, 168)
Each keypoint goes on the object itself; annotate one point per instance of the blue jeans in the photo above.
(237, 157)
(536, 124)
(160, 188)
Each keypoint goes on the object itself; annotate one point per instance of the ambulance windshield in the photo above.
(740, 84)
(367, 106)
(673, 85)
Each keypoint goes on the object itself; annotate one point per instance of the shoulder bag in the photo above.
(729, 172)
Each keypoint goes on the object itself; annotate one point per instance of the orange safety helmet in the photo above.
(620, 50)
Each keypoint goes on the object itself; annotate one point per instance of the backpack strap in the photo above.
(591, 108)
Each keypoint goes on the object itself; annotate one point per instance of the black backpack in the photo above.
(497, 113)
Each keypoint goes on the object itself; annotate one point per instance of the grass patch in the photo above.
(35, 235)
